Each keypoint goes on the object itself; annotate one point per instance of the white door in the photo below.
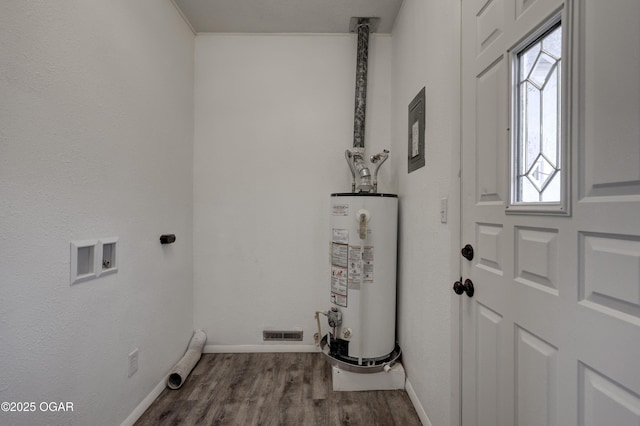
(551, 335)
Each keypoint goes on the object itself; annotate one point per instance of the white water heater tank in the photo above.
(364, 228)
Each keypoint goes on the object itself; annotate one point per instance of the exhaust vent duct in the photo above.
(361, 26)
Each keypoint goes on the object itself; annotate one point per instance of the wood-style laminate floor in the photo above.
(273, 389)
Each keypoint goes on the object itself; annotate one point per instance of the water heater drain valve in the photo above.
(335, 317)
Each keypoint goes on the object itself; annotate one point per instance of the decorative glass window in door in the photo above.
(538, 139)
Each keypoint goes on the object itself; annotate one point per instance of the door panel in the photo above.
(610, 120)
(489, 24)
(604, 402)
(522, 6)
(536, 258)
(488, 247)
(536, 380)
(490, 113)
(620, 296)
(488, 364)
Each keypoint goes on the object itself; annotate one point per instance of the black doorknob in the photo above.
(458, 287)
(467, 252)
(467, 287)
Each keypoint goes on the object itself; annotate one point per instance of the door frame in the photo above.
(456, 263)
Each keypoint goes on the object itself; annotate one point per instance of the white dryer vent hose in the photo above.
(182, 369)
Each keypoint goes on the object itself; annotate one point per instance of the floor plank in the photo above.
(276, 389)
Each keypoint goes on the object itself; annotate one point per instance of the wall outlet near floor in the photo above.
(133, 362)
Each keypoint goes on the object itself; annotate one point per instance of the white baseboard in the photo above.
(226, 349)
(416, 404)
(142, 407)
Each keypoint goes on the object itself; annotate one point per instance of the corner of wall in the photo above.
(427, 247)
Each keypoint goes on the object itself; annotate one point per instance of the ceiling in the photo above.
(285, 16)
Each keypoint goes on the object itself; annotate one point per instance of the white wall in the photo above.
(425, 45)
(96, 128)
(274, 114)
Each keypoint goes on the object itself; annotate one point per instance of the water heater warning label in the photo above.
(339, 254)
(340, 236)
(355, 267)
(367, 264)
(339, 273)
(339, 300)
(339, 285)
(340, 210)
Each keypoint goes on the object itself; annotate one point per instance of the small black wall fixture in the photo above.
(167, 238)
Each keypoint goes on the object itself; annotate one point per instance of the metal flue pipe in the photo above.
(362, 65)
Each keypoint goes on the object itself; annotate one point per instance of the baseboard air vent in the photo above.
(282, 336)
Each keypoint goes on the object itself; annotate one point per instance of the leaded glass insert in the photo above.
(538, 102)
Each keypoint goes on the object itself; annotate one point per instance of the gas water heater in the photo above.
(363, 277)
(364, 226)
